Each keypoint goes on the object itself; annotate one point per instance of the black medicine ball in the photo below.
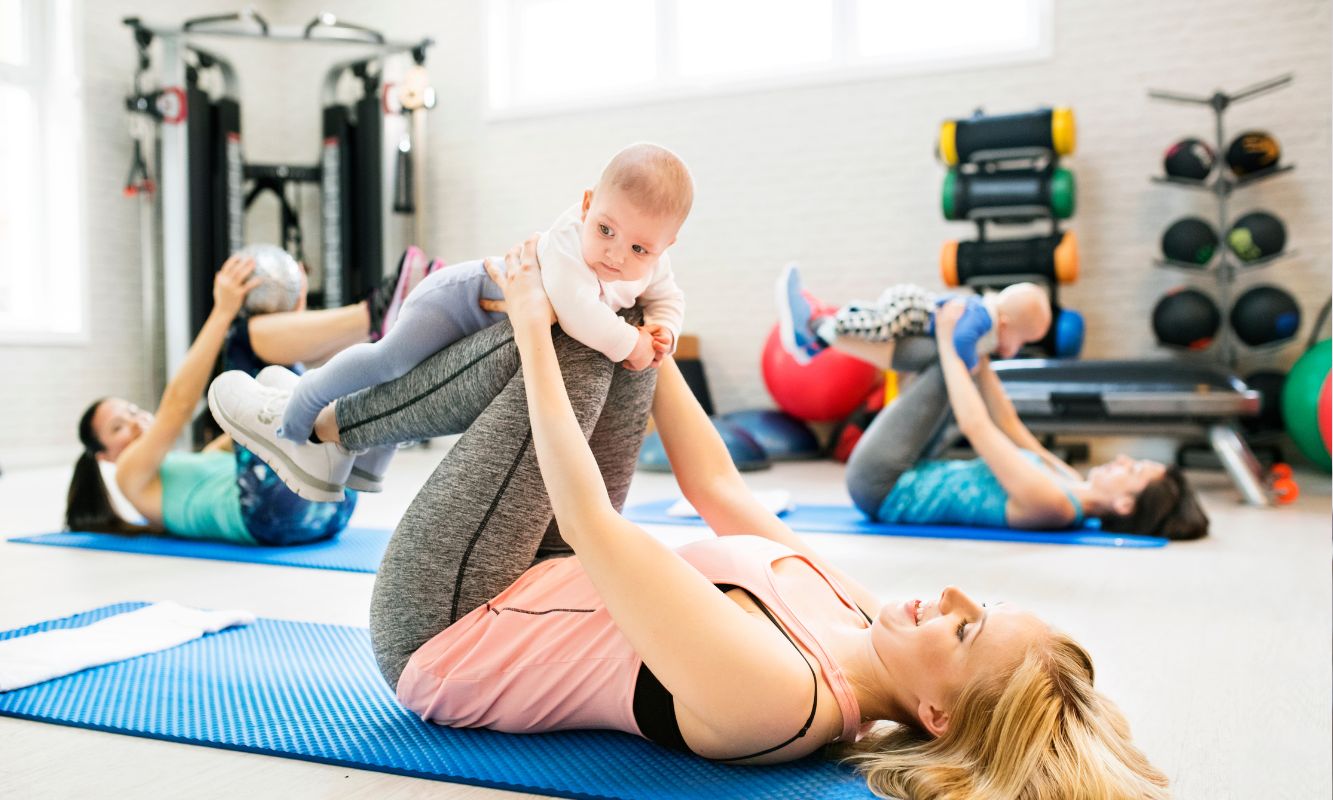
(1186, 318)
(1190, 158)
(1265, 314)
(1189, 240)
(1253, 151)
(1257, 235)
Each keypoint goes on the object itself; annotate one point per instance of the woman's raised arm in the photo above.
(1001, 410)
(1035, 496)
(718, 661)
(138, 465)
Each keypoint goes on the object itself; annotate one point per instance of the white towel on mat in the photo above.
(37, 657)
(777, 501)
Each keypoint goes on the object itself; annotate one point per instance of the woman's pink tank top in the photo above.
(544, 654)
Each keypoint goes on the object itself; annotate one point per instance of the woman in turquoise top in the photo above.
(222, 492)
(1015, 482)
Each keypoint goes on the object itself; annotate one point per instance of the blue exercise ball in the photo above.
(1069, 334)
(745, 452)
(783, 437)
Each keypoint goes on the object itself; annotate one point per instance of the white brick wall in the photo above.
(838, 176)
(45, 388)
(841, 176)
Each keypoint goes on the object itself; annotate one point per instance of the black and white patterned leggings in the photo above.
(901, 311)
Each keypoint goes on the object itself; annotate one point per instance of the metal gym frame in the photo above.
(203, 175)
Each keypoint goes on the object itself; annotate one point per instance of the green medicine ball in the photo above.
(1257, 235)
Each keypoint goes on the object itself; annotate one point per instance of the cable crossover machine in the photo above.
(189, 126)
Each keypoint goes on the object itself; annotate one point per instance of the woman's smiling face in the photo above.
(117, 423)
(932, 649)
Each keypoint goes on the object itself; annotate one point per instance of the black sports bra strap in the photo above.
(814, 702)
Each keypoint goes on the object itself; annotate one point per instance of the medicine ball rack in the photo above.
(1226, 267)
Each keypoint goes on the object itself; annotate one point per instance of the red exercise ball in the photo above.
(827, 389)
(1325, 411)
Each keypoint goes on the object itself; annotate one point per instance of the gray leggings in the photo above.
(483, 518)
(443, 309)
(904, 432)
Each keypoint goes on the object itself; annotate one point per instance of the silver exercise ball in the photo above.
(280, 289)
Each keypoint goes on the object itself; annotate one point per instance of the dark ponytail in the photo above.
(1166, 507)
(88, 505)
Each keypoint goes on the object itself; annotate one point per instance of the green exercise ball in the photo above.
(1300, 401)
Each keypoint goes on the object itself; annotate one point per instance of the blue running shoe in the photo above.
(795, 317)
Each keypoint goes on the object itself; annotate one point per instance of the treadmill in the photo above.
(1162, 397)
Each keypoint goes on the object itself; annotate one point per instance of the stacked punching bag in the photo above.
(1005, 170)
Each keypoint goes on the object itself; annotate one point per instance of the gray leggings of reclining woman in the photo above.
(904, 432)
(483, 517)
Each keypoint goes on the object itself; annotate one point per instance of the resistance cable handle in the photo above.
(138, 181)
(342, 30)
(248, 15)
(144, 103)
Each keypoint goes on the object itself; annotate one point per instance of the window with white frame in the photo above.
(41, 265)
(557, 53)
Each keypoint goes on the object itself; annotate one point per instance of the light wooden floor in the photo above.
(1218, 652)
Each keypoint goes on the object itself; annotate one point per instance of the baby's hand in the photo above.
(641, 357)
(663, 341)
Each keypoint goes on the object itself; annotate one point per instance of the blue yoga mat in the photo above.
(353, 550)
(814, 518)
(312, 692)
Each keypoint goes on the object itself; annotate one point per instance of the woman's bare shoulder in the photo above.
(777, 720)
(769, 735)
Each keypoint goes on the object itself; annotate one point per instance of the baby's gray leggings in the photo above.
(483, 517)
(443, 309)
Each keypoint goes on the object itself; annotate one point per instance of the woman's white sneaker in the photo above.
(275, 376)
(252, 413)
(368, 467)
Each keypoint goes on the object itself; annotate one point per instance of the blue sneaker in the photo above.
(795, 317)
